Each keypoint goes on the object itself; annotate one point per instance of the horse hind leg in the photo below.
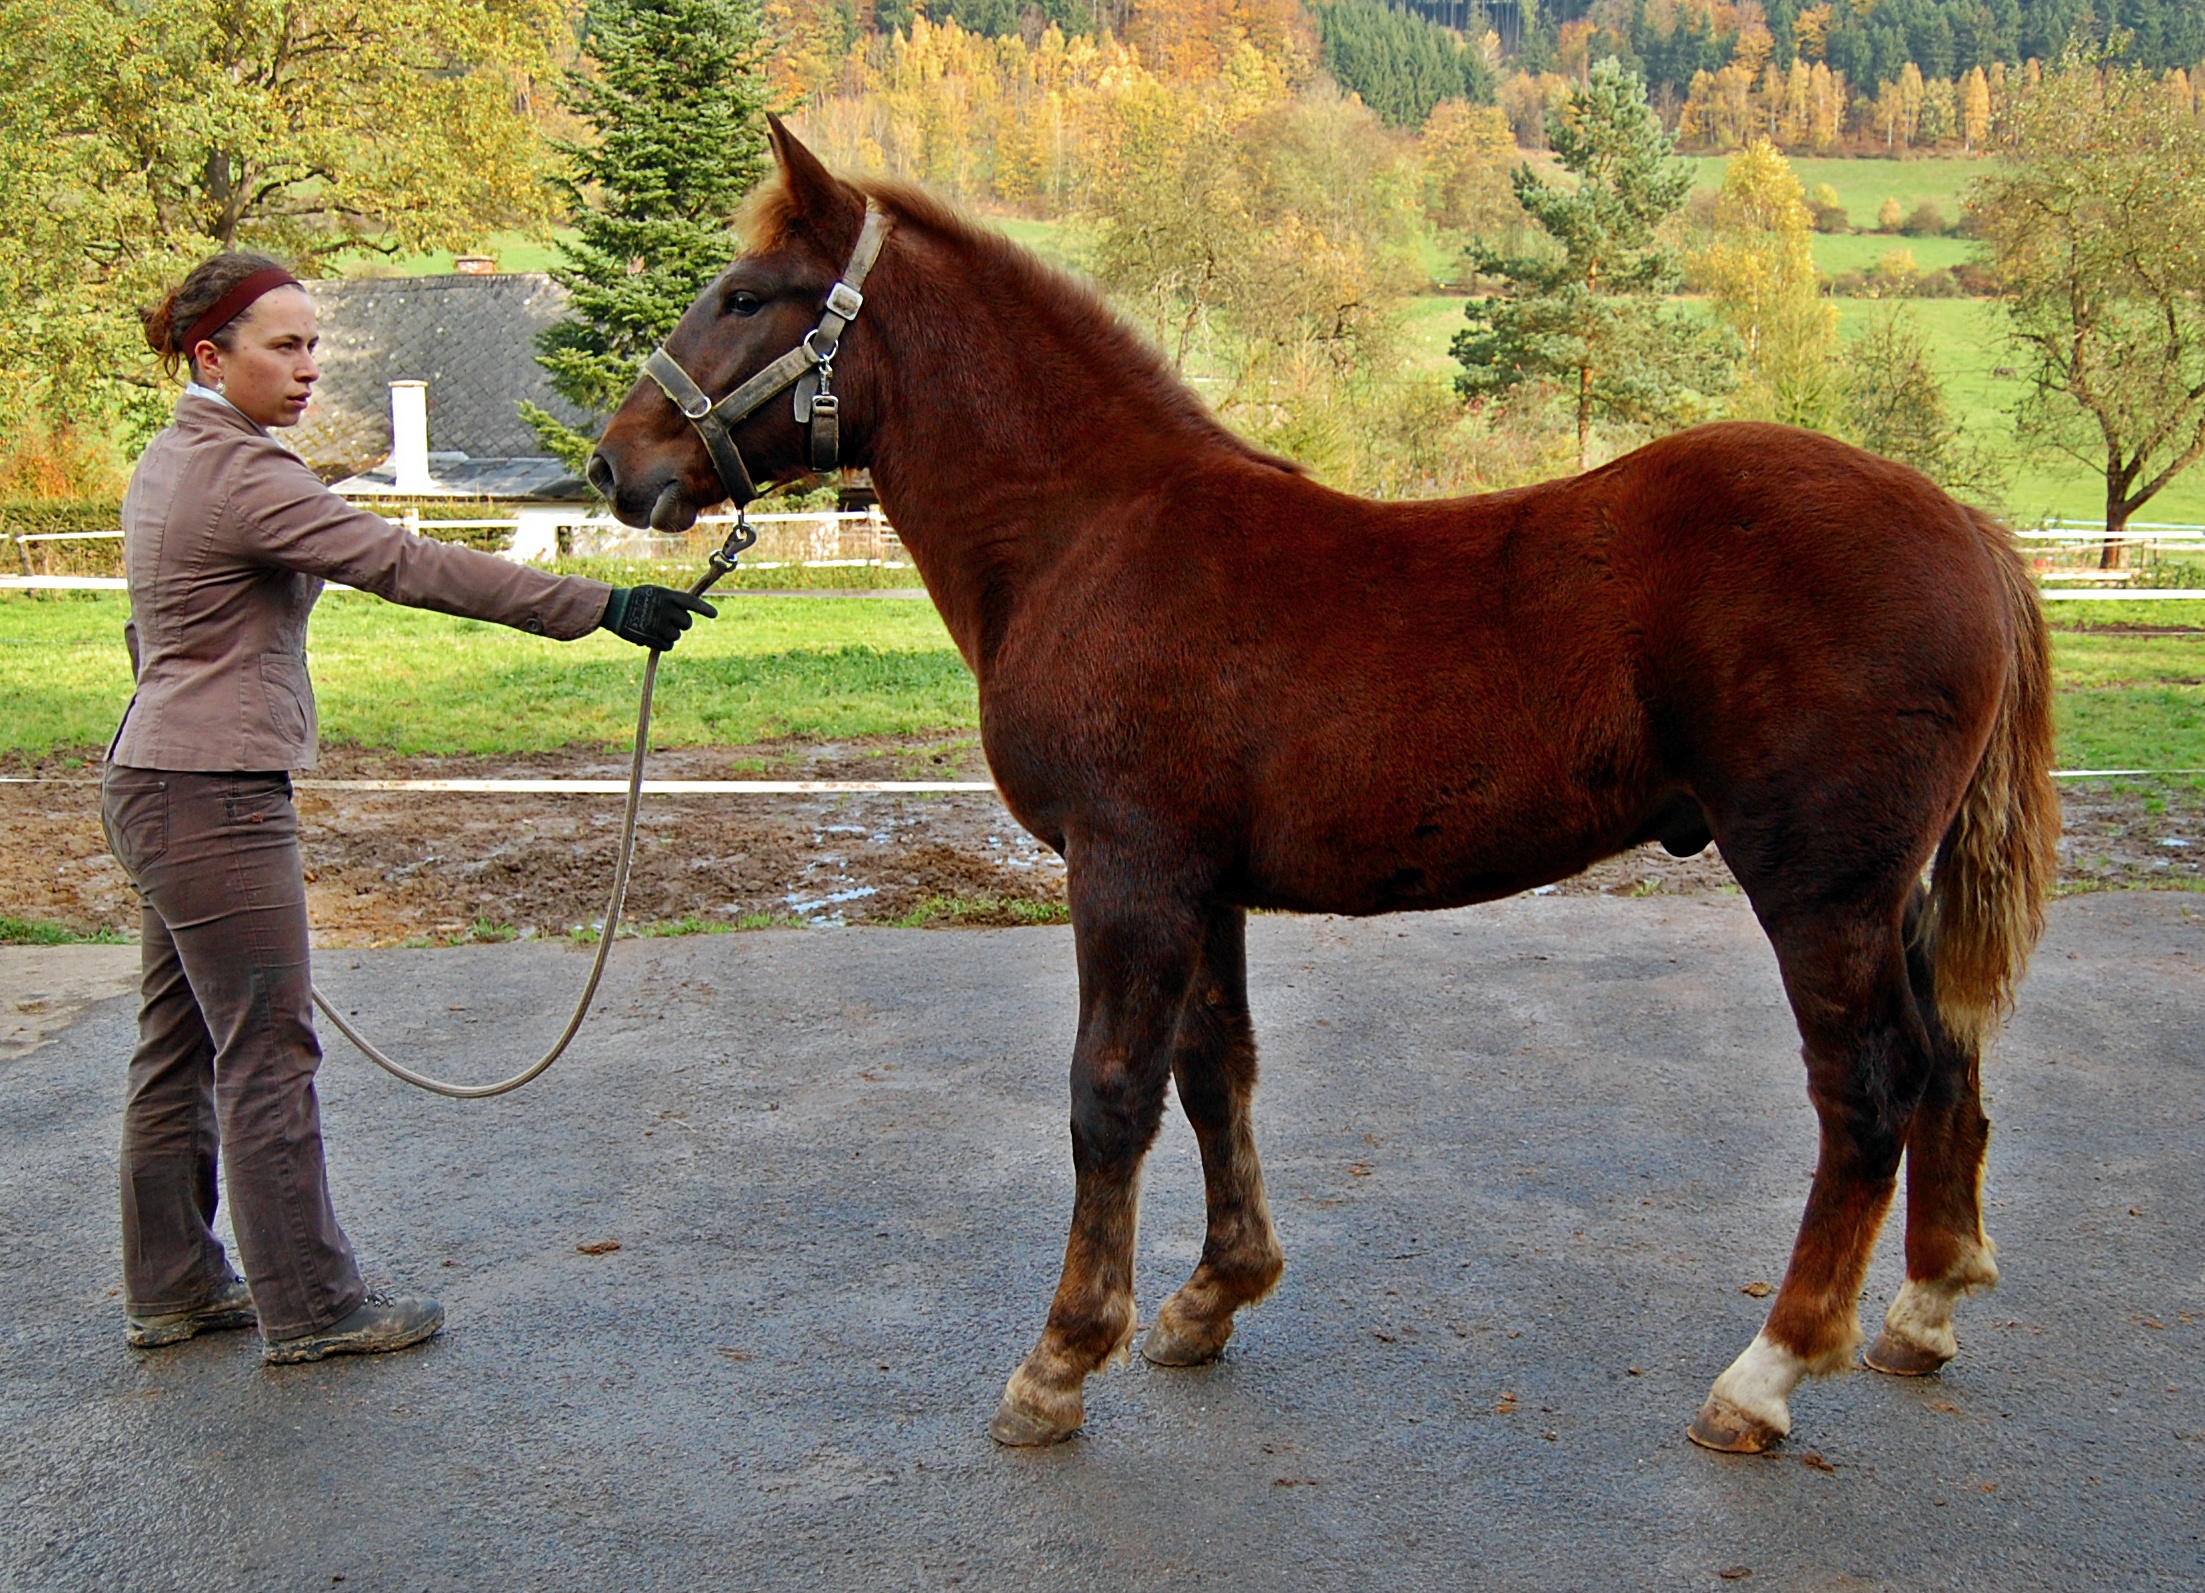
(1214, 1060)
(1867, 1060)
(1948, 1256)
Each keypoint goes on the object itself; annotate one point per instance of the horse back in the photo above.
(1352, 706)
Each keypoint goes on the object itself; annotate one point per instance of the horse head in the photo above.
(659, 461)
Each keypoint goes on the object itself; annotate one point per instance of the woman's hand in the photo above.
(652, 616)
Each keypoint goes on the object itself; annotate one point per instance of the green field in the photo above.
(416, 682)
(412, 682)
(513, 251)
(1966, 339)
(2130, 702)
(1862, 251)
(1863, 185)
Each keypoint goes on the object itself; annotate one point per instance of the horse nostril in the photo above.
(599, 474)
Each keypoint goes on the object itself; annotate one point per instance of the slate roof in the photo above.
(471, 338)
(459, 476)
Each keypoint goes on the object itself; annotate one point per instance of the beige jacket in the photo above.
(227, 539)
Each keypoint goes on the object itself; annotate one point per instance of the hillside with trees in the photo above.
(1307, 203)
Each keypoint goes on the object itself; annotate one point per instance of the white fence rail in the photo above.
(864, 538)
(2066, 555)
(825, 540)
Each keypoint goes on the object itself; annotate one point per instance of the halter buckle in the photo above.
(845, 301)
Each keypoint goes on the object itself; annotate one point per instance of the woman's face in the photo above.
(270, 371)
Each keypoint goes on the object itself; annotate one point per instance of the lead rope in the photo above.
(722, 561)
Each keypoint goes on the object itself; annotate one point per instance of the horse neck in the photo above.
(1008, 421)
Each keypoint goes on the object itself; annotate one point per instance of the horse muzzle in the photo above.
(672, 510)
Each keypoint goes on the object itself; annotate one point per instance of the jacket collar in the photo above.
(195, 411)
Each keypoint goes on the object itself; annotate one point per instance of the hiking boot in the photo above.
(382, 1322)
(231, 1307)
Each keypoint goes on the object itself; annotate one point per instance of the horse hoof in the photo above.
(1723, 1427)
(1016, 1427)
(1897, 1357)
(1163, 1347)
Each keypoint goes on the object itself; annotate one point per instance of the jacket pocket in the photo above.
(284, 685)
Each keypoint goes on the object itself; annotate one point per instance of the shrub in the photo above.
(1828, 215)
(1895, 276)
(1975, 279)
(1889, 216)
(45, 463)
(1925, 221)
(60, 515)
(1849, 285)
(1936, 285)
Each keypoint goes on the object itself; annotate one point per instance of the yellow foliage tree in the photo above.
(1468, 152)
(1910, 103)
(1811, 32)
(1194, 41)
(1975, 108)
(1826, 108)
(1760, 272)
(979, 118)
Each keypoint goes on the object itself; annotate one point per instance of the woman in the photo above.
(228, 538)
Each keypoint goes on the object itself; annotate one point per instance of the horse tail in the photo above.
(1998, 858)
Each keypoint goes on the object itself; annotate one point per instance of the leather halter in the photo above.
(808, 367)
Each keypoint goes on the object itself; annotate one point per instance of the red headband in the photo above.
(235, 303)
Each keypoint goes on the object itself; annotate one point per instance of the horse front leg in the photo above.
(1214, 1061)
(1137, 954)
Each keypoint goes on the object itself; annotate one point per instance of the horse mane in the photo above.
(769, 214)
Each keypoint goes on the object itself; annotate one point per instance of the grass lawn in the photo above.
(513, 251)
(1837, 252)
(2130, 702)
(408, 681)
(1863, 185)
(1966, 338)
(1055, 241)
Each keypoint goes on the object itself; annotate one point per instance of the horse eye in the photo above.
(744, 303)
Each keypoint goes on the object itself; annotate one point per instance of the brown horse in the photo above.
(1214, 685)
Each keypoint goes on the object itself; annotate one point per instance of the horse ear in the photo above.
(817, 198)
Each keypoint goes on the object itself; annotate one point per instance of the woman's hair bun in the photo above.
(167, 322)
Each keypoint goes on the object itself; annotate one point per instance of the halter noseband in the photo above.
(808, 367)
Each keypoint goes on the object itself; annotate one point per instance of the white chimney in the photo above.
(409, 437)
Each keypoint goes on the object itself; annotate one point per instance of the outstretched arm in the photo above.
(287, 518)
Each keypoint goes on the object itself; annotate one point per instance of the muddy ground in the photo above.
(391, 868)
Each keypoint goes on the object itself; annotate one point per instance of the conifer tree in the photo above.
(1588, 315)
(674, 91)
(1401, 64)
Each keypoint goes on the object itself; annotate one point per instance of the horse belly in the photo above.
(1443, 854)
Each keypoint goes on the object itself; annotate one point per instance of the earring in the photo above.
(220, 385)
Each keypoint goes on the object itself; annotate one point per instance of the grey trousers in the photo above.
(226, 1053)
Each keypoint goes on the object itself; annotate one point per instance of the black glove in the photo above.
(652, 616)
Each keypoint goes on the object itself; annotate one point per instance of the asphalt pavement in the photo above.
(1526, 1161)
